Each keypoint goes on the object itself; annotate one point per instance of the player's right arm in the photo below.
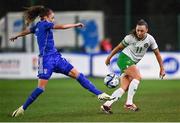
(124, 43)
(20, 34)
(118, 48)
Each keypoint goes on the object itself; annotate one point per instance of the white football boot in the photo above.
(17, 112)
(105, 97)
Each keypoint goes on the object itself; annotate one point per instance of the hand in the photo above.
(162, 73)
(13, 38)
(107, 62)
(80, 25)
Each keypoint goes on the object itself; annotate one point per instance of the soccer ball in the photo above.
(111, 80)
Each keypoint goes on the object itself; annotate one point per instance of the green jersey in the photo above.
(135, 49)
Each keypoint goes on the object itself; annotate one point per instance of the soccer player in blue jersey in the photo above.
(50, 60)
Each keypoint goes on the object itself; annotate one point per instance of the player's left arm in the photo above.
(67, 26)
(159, 59)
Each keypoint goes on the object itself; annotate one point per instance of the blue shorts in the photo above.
(53, 63)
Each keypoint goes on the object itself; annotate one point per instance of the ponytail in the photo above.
(133, 32)
(33, 12)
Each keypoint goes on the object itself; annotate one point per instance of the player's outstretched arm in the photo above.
(113, 52)
(20, 34)
(67, 26)
(159, 59)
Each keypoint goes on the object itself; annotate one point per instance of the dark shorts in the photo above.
(53, 63)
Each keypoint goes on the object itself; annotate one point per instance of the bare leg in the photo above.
(125, 81)
(133, 72)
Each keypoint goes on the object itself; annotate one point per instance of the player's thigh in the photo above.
(133, 72)
(63, 66)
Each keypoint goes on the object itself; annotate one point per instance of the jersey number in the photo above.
(139, 49)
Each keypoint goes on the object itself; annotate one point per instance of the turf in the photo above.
(64, 100)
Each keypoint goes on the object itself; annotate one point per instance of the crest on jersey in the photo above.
(45, 71)
(146, 45)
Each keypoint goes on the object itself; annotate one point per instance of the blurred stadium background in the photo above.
(87, 49)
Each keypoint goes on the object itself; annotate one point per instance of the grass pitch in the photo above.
(65, 100)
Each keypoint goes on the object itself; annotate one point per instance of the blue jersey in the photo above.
(43, 31)
(49, 59)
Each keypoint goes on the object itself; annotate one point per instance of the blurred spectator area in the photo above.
(162, 17)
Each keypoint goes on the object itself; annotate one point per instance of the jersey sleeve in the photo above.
(49, 25)
(126, 41)
(33, 28)
(153, 44)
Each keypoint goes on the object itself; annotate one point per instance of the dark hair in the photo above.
(140, 23)
(33, 12)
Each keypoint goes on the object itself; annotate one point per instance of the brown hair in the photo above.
(140, 22)
(33, 12)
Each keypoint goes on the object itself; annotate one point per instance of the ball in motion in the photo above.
(111, 80)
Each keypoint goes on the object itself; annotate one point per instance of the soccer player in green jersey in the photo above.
(133, 46)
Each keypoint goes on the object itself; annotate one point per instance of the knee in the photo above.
(42, 83)
(138, 77)
(135, 76)
(124, 87)
(42, 87)
(74, 73)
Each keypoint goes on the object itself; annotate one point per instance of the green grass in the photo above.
(64, 100)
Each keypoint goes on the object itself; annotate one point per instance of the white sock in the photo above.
(117, 93)
(132, 90)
